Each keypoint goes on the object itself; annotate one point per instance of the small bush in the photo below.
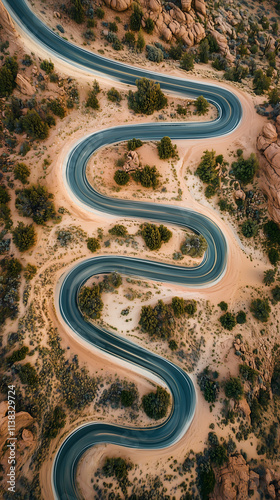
(234, 388)
(223, 306)
(93, 244)
(155, 404)
(24, 237)
(249, 228)
(202, 105)
(260, 309)
(133, 144)
(30, 272)
(114, 95)
(241, 317)
(228, 321)
(166, 149)
(118, 230)
(121, 177)
(47, 66)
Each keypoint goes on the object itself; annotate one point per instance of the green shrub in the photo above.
(154, 54)
(223, 306)
(234, 388)
(149, 26)
(203, 52)
(249, 228)
(178, 306)
(21, 172)
(114, 95)
(173, 346)
(148, 176)
(202, 105)
(90, 301)
(18, 355)
(272, 232)
(157, 321)
(244, 170)
(241, 317)
(166, 149)
(274, 256)
(194, 246)
(100, 13)
(248, 373)
(127, 398)
(269, 277)
(210, 191)
(36, 202)
(190, 307)
(77, 12)
(133, 144)
(228, 321)
(121, 177)
(154, 235)
(8, 74)
(54, 421)
(24, 236)
(116, 467)
(260, 309)
(118, 230)
(57, 108)
(136, 18)
(28, 375)
(34, 125)
(276, 293)
(187, 62)
(155, 404)
(208, 386)
(93, 244)
(30, 272)
(148, 98)
(261, 82)
(47, 66)
(206, 170)
(92, 101)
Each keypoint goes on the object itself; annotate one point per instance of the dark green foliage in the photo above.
(220, 63)
(10, 281)
(208, 386)
(248, 373)
(194, 246)
(127, 398)
(114, 95)
(244, 170)
(154, 54)
(218, 454)
(148, 176)
(18, 355)
(234, 388)
(269, 277)
(274, 96)
(228, 321)
(249, 228)
(92, 101)
(178, 306)
(28, 375)
(209, 191)
(275, 380)
(202, 105)
(181, 110)
(272, 232)
(223, 306)
(8, 74)
(241, 317)
(29, 272)
(203, 52)
(261, 82)
(54, 421)
(100, 13)
(276, 293)
(140, 42)
(54, 78)
(4, 195)
(206, 170)
(34, 125)
(133, 144)
(154, 235)
(136, 18)
(155, 404)
(21, 172)
(166, 149)
(176, 51)
(173, 346)
(50, 120)
(116, 467)
(260, 309)
(57, 108)
(129, 39)
(93, 244)
(187, 62)
(207, 480)
(148, 98)
(90, 301)
(157, 321)
(190, 307)
(118, 230)
(47, 66)
(24, 236)
(113, 27)
(149, 26)
(237, 73)
(274, 256)
(77, 11)
(121, 177)
(36, 202)
(89, 34)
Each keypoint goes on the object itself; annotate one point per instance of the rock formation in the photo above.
(24, 85)
(132, 161)
(232, 480)
(7, 21)
(268, 144)
(118, 5)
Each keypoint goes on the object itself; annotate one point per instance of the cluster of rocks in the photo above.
(132, 162)
(268, 144)
(235, 480)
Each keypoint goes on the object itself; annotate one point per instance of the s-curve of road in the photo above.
(206, 274)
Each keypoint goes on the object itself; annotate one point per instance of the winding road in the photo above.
(207, 273)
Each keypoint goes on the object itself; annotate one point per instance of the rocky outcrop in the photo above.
(23, 419)
(119, 5)
(6, 20)
(24, 85)
(232, 480)
(223, 45)
(132, 161)
(268, 144)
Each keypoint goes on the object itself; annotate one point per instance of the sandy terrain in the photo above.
(245, 264)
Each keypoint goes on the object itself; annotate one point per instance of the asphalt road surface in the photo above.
(207, 273)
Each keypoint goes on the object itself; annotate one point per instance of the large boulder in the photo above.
(200, 7)
(118, 5)
(232, 480)
(24, 85)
